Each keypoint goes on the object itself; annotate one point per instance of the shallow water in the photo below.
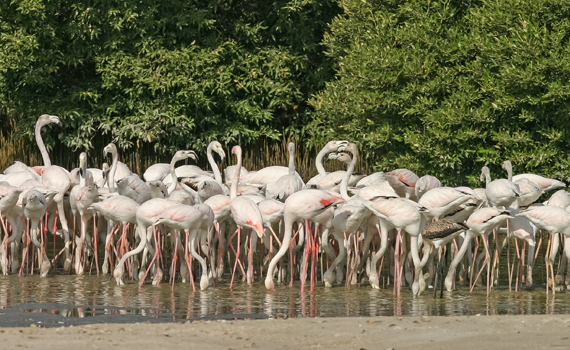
(62, 300)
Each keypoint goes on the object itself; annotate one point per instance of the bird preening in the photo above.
(338, 228)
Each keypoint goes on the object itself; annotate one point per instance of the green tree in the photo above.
(445, 87)
(170, 72)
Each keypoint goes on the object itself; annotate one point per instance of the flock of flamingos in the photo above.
(386, 228)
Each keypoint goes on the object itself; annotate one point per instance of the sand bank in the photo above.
(474, 332)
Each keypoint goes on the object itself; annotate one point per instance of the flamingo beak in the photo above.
(222, 154)
(192, 155)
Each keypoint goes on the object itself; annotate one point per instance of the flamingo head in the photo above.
(236, 150)
(217, 147)
(158, 220)
(110, 148)
(332, 146)
(46, 119)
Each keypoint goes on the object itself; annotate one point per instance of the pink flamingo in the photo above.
(302, 205)
(145, 216)
(57, 178)
(288, 184)
(554, 220)
(426, 183)
(401, 214)
(34, 206)
(119, 209)
(9, 196)
(481, 222)
(245, 213)
(403, 181)
(190, 219)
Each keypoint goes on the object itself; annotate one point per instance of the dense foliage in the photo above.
(444, 87)
(175, 73)
(440, 87)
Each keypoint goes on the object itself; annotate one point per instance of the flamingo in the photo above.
(145, 216)
(403, 181)
(187, 218)
(441, 200)
(86, 196)
(9, 196)
(544, 183)
(57, 178)
(302, 205)
(529, 191)
(157, 189)
(554, 220)
(119, 209)
(178, 156)
(349, 217)
(560, 198)
(401, 214)
(481, 222)
(424, 184)
(437, 234)
(135, 188)
(245, 213)
(220, 205)
(35, 206)
(118, 169)
(215, 146)
(331, 146)
(288, 184)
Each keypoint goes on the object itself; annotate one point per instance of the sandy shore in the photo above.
(476, 332)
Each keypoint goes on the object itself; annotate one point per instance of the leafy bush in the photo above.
(445, 87)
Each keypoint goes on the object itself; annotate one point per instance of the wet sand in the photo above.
(464, 332)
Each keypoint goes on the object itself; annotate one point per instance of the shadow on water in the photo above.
(62, 300)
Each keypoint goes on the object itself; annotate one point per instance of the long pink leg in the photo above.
(220, 249)
(158, 245)
(396, 263)
(314, 257)
(96, 238)
(5, 244)
(25, 243)
(188, 262)
(241, 268)
(83, 230)
(114, 229)
(308, 234)
(237, 256)
(54, 236)
(152, 261)
(523, 262)
(174, 258)
(250, 257)
(291, 253)
(537, 250)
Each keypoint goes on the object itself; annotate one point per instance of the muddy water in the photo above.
(62, 300)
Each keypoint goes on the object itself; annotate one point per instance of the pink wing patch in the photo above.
(38, 169)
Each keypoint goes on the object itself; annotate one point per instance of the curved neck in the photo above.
(83, 173)
(174, 182)
(488, 177)
(213, 165)
(41, 145)
(111, 180)
(351, 166)
(292, 162)
(235, 180)
(510, 173)
(319, 162)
